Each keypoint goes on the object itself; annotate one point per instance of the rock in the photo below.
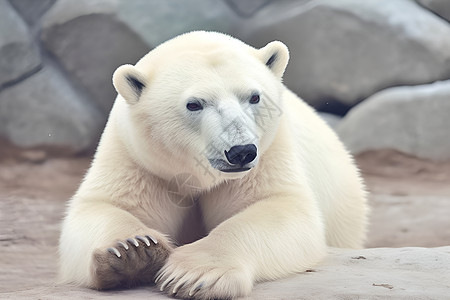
(439, 7)
(157, 21)
(92, 38)
(346, 50)
(90, 47)
(32, 10)
(247, 8)
(46, 111)
(412, 120)
(18, 55)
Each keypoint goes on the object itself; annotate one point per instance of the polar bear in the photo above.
(271, 184)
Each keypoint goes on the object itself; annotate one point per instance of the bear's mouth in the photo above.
(223, 166)
(234, 170)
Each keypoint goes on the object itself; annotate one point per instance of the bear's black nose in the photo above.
(241, 154)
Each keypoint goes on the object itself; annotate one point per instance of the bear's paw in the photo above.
(190, 273)
(128, 263)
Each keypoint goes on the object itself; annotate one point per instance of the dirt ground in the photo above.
(410, 200)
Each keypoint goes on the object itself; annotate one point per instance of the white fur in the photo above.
(302, 193)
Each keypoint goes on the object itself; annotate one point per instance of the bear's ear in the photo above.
(275, 55)
(129, 83)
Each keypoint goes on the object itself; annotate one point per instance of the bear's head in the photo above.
(202, 103)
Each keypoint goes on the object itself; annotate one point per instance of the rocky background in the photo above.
(377, 70)
(374, 69)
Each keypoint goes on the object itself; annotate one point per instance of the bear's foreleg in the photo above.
(270, 239)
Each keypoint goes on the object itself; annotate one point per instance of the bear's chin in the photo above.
(236, 173)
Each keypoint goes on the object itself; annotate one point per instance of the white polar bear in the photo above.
(274, 186)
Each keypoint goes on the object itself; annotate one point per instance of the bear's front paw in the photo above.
(192, 273)
(128, 263)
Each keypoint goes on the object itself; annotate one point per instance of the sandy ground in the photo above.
(410, 202)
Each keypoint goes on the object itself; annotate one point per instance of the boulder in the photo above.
(246, 8)
(18, 55)
(410, 119)
(90, 45)
(157, 21)
(32, 10)
(44, 110)
(344, 51)
(439, 7)
(90, 39)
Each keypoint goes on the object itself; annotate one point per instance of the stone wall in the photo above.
(57, 58)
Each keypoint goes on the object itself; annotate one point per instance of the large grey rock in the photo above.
(439, 7)
(46, 111)
(18, 55)
(247, 8)
(32, 10)
(346, 50)
(90, 47)
(92, 38)
(413, 120)
(157, 21)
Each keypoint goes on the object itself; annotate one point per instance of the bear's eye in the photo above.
(254, 99)
(194, 106)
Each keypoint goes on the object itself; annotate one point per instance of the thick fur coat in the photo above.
(273, 184)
